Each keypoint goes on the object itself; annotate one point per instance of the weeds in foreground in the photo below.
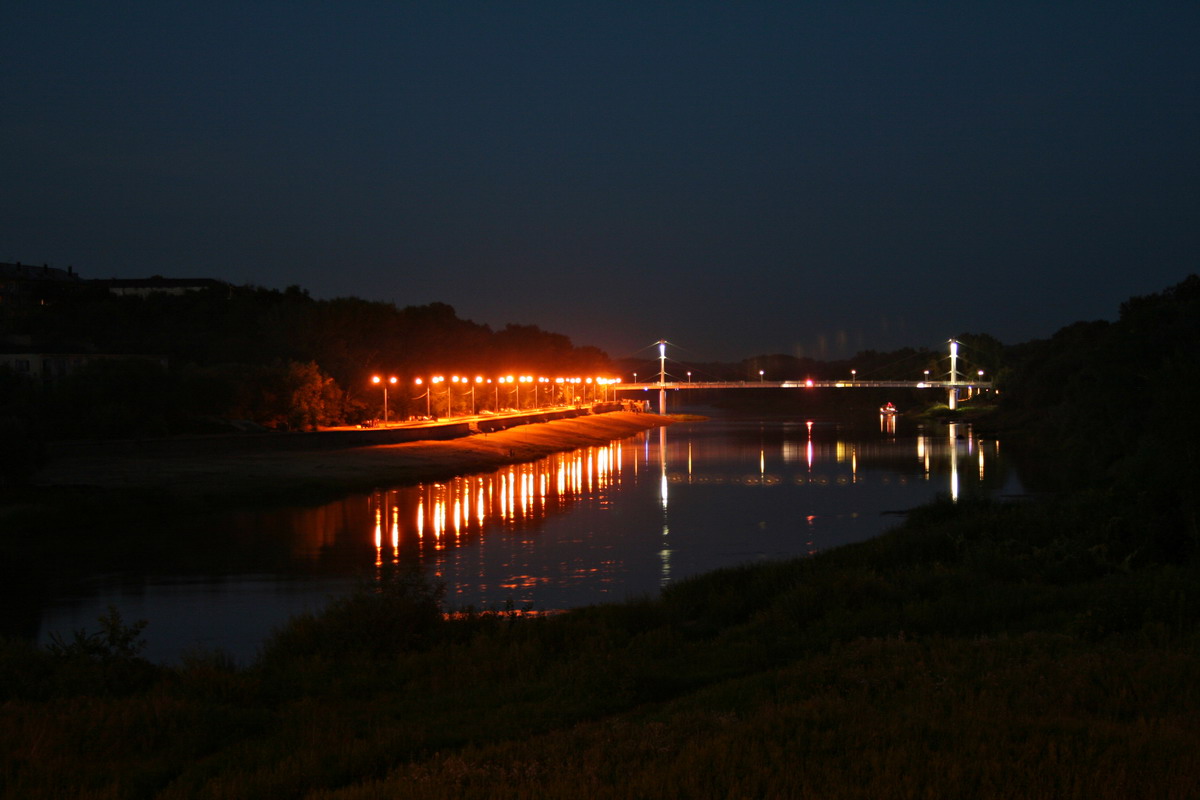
(983, 650)
(115, 640)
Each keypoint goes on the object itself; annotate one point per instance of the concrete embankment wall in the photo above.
(308, 441)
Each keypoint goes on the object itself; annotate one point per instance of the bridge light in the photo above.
(809, 383)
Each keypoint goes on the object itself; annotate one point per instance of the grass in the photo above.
(981, 650)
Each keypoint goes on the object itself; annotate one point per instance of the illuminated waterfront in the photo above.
(592, 525)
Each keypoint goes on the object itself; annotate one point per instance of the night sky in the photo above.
(737, 178)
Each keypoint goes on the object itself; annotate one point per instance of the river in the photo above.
(593, 525)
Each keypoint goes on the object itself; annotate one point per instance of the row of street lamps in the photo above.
(479, 381)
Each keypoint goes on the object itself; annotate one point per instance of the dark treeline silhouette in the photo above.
(1106, 407)
(280, 359)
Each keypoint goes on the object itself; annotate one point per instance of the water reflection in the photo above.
(596, 524)
(427, 519)
(434, 524)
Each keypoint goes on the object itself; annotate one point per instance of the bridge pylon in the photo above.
(952, 390)
(662, 377)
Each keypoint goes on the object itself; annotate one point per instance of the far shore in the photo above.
(250, 474)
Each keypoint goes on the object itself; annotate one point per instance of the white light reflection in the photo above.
(460, 513)
(662, 460)
(953, 461)
(664, 555)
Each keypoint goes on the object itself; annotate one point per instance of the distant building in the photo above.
(144, 287)
(27, 285)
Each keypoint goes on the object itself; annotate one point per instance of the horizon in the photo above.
(646, 353)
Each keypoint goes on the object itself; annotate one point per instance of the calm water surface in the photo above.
(593, 525)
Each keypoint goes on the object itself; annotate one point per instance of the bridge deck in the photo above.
(801, 384)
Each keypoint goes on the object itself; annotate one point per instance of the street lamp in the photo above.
(689, 376)
(384, 383)
(760, 376)
(449, 397)
(440, 379)
(853, 375)
(421, 382)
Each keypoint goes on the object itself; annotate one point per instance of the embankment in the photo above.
(273, 472)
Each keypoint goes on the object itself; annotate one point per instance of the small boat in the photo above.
(888, 409)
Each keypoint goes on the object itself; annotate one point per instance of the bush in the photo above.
(395, 613)
(24, 452)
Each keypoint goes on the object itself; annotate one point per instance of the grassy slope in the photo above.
(987, 651)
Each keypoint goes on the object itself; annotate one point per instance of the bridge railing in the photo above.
(800, 384)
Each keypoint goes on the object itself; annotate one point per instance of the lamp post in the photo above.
(760, 376)
(421, 382)
(927, 376)
(853, 375)
(689, 376)
(524, 379)
(440, 379)
(379, 380)
(510, 379)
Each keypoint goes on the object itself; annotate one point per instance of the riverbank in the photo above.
(259, 476)
(979, 650)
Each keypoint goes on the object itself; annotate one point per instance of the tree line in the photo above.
(278, 359)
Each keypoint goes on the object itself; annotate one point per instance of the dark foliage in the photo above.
(1106, 406)
(279, 359)
(24, 452)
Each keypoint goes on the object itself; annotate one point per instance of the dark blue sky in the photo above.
(738, 178)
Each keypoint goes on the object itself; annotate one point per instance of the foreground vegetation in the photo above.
(1040, 649)
(1027, 650)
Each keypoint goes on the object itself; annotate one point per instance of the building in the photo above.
(144, 287)
(26, 285)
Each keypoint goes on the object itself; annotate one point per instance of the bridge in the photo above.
(952, 386)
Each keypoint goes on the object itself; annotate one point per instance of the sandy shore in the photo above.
(248, 474)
